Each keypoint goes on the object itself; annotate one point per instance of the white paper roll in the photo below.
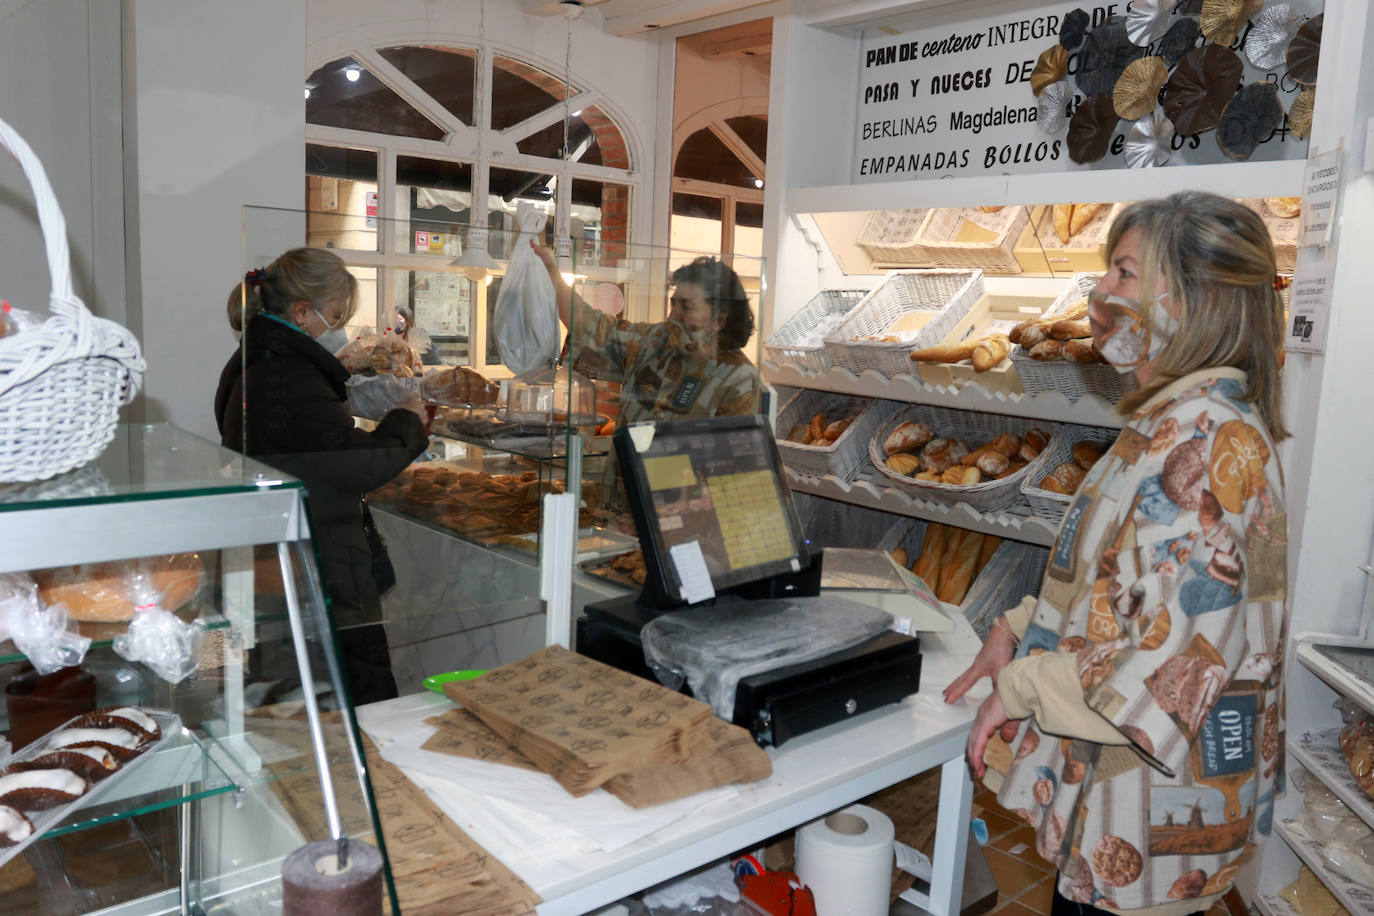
(846, 860)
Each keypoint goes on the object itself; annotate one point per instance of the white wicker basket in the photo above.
(1073, 380)
(848, 454)
(891, 236)
(1015, 570)
(63, 382)
(975, 429)
(800, 341)
(938, 241)
(1045, 503)
(948, 294)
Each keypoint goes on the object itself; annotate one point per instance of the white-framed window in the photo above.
(409, 147)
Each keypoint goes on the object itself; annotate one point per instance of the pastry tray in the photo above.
(170, 728)
(602, 569)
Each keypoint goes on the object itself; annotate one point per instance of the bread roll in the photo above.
(1064, 479)
(959, 476)
(1047, 350)
(990, 351)
(941, 453)
(800, 433)
(956, 569)
(903, 463)
(1027, 453)
(992, 462)
(1069, 328)
(907, 437)
(932, 553)
(1038, 439)
(1086, 454)
(818, 427)
(1015, 465)
(834, 430)
(1006, 443)
(931, 475)
(104, 592)
(1081, 350)
(1082, 215)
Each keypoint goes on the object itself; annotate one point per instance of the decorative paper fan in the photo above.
(1179, 40)
(1300, 113)
(1147, 143)
(1074, 27)
(1052, 67)
(1270, 33)
(1052, 116)
(1091, 129)
(1105, 54)
(1251, 116)
(1222, 20)
(1137, 91)
(1148, 20)
(1305, 50)
(1201, 85)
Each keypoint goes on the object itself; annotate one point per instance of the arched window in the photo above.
(398, 171)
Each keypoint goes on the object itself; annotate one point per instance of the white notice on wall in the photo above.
(692, 572)
(1311, 302)
(1321, 189)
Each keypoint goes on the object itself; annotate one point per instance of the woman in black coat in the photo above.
(282, 400)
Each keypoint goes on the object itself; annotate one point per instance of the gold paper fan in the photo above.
(1222, 20)
(1300, 113)
(1138, 88)
(1052, 67)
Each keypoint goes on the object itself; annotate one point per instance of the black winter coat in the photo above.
(298, 422)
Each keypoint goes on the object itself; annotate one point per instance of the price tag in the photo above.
(692, 572)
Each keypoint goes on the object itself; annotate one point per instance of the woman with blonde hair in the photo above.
(282, 399)
(1143, 710)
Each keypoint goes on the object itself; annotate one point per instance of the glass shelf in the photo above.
(101, 635)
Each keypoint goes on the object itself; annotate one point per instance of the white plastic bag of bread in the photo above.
(73, 765)
(379, 354)
(44, 634)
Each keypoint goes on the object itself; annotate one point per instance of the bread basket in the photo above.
(844, 457)
(61, 383)
(801, 340)
(1073, 380)
(1047, 504)
(975, 429)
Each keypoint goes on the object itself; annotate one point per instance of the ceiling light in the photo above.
(353, 73)
(307, 92)
(758, 182)
(578, 113)
(571, 9)
(475, 255)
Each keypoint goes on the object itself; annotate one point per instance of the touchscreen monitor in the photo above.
(715, 483)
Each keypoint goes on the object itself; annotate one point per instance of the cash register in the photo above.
(717, 526)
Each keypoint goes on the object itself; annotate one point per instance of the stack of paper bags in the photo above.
(589, 725)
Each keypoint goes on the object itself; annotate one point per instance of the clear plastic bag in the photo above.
(42, 633)
(526, 320)
(156, 637)
(713, 647)
(1322, 812)
(699, 892)
(374, 396)
(15, 321)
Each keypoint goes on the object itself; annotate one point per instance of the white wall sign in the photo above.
(442, 303)
(1321, 190)
(1311, 301)
(954, 98)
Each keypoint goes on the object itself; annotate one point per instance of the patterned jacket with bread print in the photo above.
(1167, 588)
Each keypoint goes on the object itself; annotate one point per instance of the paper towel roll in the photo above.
(846, 860)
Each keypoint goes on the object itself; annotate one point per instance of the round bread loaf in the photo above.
(101, 592)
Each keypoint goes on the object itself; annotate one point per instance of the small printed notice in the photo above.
(912, 861)
(1321, 189)
(692, 572)
(1311, 302)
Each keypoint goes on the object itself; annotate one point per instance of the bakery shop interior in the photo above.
(837, 457)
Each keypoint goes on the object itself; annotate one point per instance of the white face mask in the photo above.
(333, 340)
(1126, 341)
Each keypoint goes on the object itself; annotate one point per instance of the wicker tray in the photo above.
(941, 297)
(892, 236)
(1047, 504)
(801, 339)
(975, 429)
(944, 238)
(1073, 380)
(847, 455)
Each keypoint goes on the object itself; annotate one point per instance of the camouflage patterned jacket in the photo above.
(1167, 587)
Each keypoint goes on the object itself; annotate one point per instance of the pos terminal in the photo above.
(726, 557)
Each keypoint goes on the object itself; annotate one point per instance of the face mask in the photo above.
(334, 340)
(1129, 342)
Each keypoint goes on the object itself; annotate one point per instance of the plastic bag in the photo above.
(526, 320)
(713, 647)
(1322, 812)
(168, 645)
(375, 396)
(371, 353)
(697, 892)
(41, 633)
(15, 321)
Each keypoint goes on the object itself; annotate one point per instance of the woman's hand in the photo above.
(991, 718)
(546, 255)
(995, 655)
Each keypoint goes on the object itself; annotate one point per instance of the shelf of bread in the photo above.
(1356, 898)
(1050, 406)
(1337, 676)
(874, 493)
(1320, 754)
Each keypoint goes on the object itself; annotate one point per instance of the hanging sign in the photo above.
(1043, 90)
(370, 210)
(1311, 301)
(1321, 192)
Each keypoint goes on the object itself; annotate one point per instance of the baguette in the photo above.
(990, 545)
(990, 351)
(927, 565)
(907, 437)
(1081, 351)
(946, 353)
(1078, 310)
(956, 569)
(1063, 216)
(1069, 328)
(1082, 215)
(1033, 333)
(1047, 350)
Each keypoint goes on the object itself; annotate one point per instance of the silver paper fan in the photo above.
(1052, 117)
(1270, 33)
(1147, 143)
(1147, 21)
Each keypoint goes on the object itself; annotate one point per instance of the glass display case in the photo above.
(246, 765)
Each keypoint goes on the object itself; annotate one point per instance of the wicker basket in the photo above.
(1073, 380)
(1049, 505)
(800, 341)
(1015, 570)
(938, 241)
(975, 429)
(946, 294)
(892, 236)
(847, 455)
(63, 382)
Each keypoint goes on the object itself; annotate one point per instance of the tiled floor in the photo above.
(1025, 882)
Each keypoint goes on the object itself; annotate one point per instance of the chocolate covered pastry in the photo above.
(14, 826)
(38, 790)
(122, 743)
(125, 717)
(91, 763)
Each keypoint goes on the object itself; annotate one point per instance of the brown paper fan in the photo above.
(1052, 67)
(1106, 52)
(1300, 113)
(1223, 20)
(1137, 91)
(1091, 129)
(1250, 117)
(1305, 50)
(1201, 85)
